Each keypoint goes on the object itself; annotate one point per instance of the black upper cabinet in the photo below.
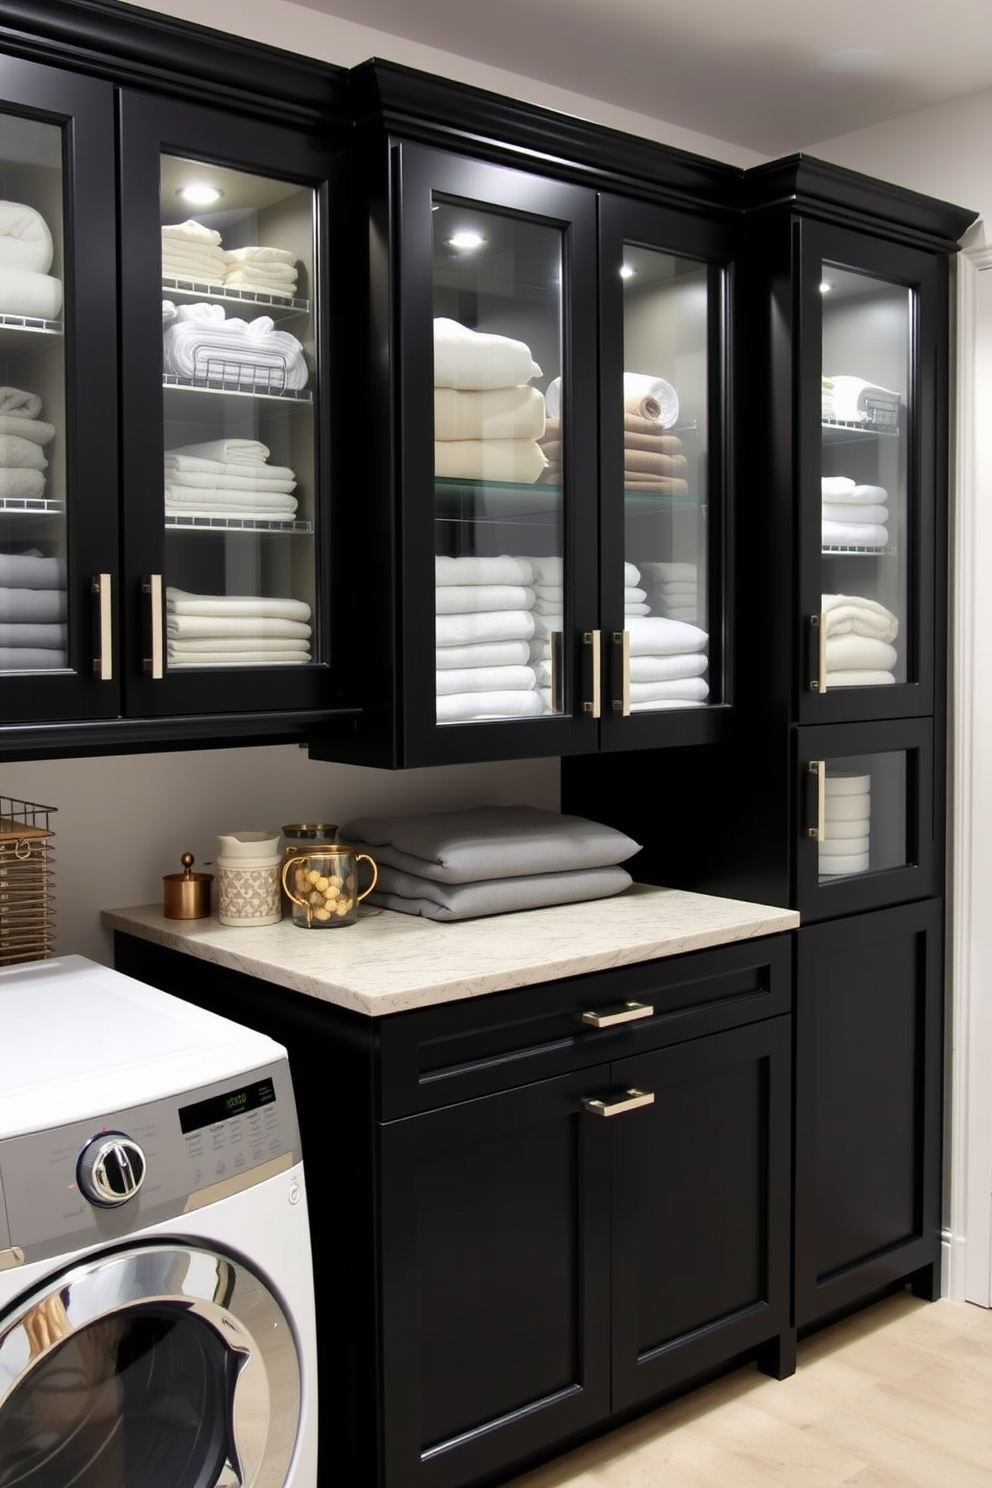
(552, 489)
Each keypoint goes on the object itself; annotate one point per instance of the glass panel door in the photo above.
(666, 334)
(865, 384)
(863, 827)
(33, 530)
(499, 414)
(239, 382)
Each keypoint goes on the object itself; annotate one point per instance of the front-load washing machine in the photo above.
(157, 1321)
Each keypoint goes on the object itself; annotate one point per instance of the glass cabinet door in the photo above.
(663, 422)
(225, 433)
(868, 571)
(58, 461)
(867, 816)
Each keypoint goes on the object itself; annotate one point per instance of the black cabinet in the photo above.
(868, 1022)
(552, 492)
(555, 1206)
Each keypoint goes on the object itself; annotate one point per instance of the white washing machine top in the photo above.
(79, 1040)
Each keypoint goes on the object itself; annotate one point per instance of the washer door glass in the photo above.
(158, 1367)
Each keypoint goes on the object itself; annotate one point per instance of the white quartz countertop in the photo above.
(390, 963)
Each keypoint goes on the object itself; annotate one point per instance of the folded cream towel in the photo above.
(485, 679)
(23, 292)
(489, 459)
(470, 570)
(25, 239)
(466, 599)
(464, 358)
(31, 429)
(841, 846)
(259, 254)
(239, 658)
(215, 499)
(255, 480)
(226, 451)
(494, 413)
(854, 826)
(180, 460)
(194, 645)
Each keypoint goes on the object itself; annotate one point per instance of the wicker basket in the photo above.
(27, 881)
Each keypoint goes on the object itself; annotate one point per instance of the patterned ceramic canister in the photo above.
(248, 887)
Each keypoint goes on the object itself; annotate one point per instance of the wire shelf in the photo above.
(27, 881)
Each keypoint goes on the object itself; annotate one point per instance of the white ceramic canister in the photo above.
(248, 886)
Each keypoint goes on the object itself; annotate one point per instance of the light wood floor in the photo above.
(899, 1396)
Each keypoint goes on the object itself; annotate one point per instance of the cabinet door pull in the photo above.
(818, 650)
(592, 639)
(152, 586)
(556, 641)
(626, 1014)
(819, 769)
(621, 704)
(633, 1099)
(101, 588)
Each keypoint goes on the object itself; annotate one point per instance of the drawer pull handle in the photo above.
(593, 639)
(818, 770)
(627, 1014)
(631, 1102)
(818, 629)
(152, 586)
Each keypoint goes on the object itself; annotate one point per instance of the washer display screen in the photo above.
(222, 1107)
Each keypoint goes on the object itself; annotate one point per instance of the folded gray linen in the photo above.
(488, 842)
(410, 894)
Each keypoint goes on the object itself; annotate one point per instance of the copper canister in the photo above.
(186, 895)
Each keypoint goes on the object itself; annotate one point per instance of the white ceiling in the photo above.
(739, 70)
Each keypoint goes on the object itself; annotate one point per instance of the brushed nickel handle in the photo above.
(819, 769)
(621, 704)
(152, 586)
(593, 639)
(818, 629)
(627, 1014)
(101, 588)
(631, 1102)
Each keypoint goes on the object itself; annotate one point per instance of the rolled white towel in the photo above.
(25, 239)
(644, 385)
(464, 358)
(848, 397)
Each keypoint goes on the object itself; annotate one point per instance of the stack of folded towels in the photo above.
(228, 478)
(483, 629)
(853, 516)
(667, 664)
(673, 589)
(549, 619)
(23, 436)
(458, 865)
(852, 400)
(860, 633)
(202, 343)
(32, 612)
(235, 630)
(846, 825)
(487, 420)
(26, 253)
(261, 270)
(652, 459)
(634, 597)
(192, 252)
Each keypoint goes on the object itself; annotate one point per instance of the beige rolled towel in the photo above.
(643, 406)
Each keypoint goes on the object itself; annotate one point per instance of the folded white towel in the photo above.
(260, 273)
(843, 846)
(251, 284)
(554, 607)
(631, 575)
(488, 625)
(182, 515)
(259, 254)
(847, 399)
(672, 572)
(192, 231)
(258, 479)
(633, 595)
(39, 606)
(23, 454)
(859, 679)
(520, 460)
(17, 401)
(666, 668)
(644, 385)
(463, 706)
(31, 571)
(686, 689)
(854, 826)
(276, 644)
(842, 490)
(187, 627)
(550, 594)
(478, 657)
(655, 635)
(226, 451)
(181, 461)
(485, 679)
(845, 784)
(25, 239)
(493, 413)
(182, 602)
(233, 350)
(840, 511)
(866, 494)
(847, 809)
(658, 704)
(464, 358)
(32, 633)
(466, 599)
(470, 570)
(546, 625)
(31, 659)
(854, 534)
(636, 609)
(854, 614)
(546, 570)
(851, 652)
(31, 429)
(677, 588)
(22, 484)
(23, 292)
(194, 254)
(238, 658)
(217, 499)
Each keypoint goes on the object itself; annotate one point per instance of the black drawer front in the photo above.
(455, 1051)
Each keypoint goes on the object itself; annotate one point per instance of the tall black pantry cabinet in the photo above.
(831, 797)
(166, 534)
(541, 496)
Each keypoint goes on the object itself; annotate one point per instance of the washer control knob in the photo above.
(110, 1169)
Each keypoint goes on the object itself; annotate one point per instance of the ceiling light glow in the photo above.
(466, 240)
(200, 194)
(825, 286)
(627, 271)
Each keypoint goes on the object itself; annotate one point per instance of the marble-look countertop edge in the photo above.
(407, 963)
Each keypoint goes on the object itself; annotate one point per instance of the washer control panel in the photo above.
(103, 1178)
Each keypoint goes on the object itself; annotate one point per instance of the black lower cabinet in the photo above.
(868, 1062)
(534, 1213)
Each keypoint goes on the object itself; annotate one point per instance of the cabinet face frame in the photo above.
(921, 639)
(150, 128)
(83, 109)
(817, 899)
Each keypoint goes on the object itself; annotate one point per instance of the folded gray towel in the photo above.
(488, 842)
(410, 894)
